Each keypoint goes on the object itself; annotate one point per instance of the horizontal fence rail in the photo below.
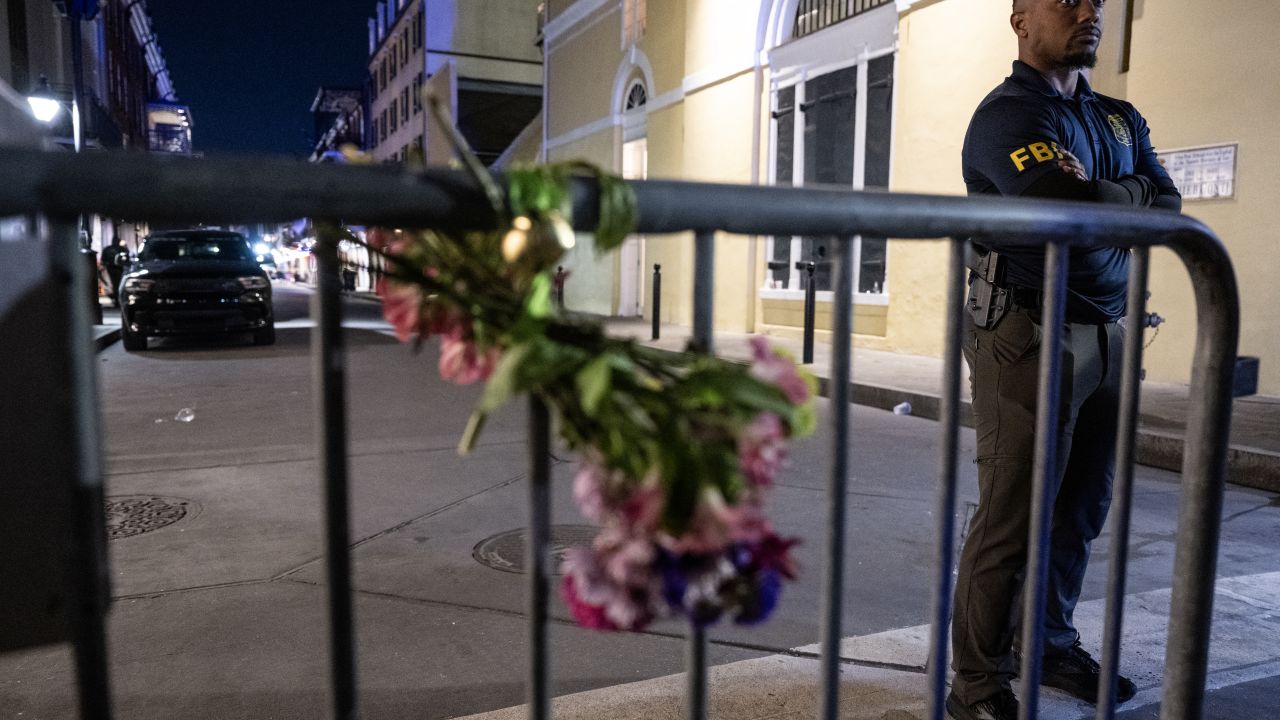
(143, 187)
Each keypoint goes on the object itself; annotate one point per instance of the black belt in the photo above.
(1030, 299)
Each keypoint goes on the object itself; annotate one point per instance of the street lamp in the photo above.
(44, 103)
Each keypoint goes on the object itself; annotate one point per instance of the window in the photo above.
(382, 122)
(394, 54)
(417, 94)
(634, 13)
(373, 86)
(818, 140)
(637, 96)
(394, 114)
(404, 46)
(417, 31)
(815, 15)
(382, 74)
(404, 106)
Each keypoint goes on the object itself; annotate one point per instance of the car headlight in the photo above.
(139, 285)
(253, 282)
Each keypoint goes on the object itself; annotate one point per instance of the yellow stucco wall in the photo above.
(951, 54)
(1203, 77)
(591, 286)
(717, 148)
(787, 318)
(580, 73)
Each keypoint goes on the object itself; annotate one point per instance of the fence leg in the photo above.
(833, 578)
(657, 298)
(704, 341)
(945, 509)
(88, 626)
(810, 309)
(536, 557)
(331, 421)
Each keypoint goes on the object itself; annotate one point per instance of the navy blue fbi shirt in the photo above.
(1013, 146)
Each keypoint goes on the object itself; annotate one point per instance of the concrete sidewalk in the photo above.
(884, 380)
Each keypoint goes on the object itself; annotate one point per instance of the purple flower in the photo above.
(761, 599)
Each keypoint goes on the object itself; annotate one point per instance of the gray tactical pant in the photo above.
(1004, 366)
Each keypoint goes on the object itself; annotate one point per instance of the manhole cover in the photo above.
(137, 514)
(506, 551)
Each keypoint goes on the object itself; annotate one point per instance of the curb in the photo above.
(105, 340)
(1246, 466)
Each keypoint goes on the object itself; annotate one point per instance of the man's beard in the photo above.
(1081, 60)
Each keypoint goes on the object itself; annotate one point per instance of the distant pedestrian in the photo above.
(1044, 132)
(114, 258)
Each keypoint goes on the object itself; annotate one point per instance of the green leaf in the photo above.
(594, 383)
(505, 381)
(538, 305)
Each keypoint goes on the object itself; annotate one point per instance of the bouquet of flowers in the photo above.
(677, 452)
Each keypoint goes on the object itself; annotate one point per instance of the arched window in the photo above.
(815, 15)
(637, 96)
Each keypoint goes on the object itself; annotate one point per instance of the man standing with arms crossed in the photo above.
(1044, 133)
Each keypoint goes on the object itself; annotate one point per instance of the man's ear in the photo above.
(1018, 21)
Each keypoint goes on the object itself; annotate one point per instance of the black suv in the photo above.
(195, 282)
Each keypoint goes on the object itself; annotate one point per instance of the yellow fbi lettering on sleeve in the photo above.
(1039, 152)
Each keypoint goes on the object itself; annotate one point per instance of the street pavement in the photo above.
(221, 614)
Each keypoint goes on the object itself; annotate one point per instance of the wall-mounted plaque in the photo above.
(1203, 173)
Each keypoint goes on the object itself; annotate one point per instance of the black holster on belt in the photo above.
(988, 298)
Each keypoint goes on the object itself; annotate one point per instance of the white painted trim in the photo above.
(871, 32)
(826, 296)
(714, 75)
(585, 131)
(635, 60)
(568, 19)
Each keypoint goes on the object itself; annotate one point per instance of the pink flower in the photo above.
(585, 614)
(589, 490)
(761, 449)
(774, 368)
(613, 587)
(464, 363)
(402, 307)
(607, 496)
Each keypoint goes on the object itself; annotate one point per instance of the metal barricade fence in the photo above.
(262, 190)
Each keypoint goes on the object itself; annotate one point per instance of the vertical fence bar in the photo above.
(945, 507)
(704, 258)
(1122, 492)
(88, 625)
(1204, 472)
(329, 360)
(1053, 316)
(656, 307)
(536, 557)
(833, 580)
(810, 309)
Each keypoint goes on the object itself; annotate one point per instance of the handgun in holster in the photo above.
(988, 298)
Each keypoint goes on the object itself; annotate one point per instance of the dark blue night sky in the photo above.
(250, 68)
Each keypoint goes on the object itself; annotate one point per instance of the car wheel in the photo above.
(133, 342)
(265, 336)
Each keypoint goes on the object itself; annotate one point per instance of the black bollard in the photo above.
(559, 283)
(657, 297)
(810, 303)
